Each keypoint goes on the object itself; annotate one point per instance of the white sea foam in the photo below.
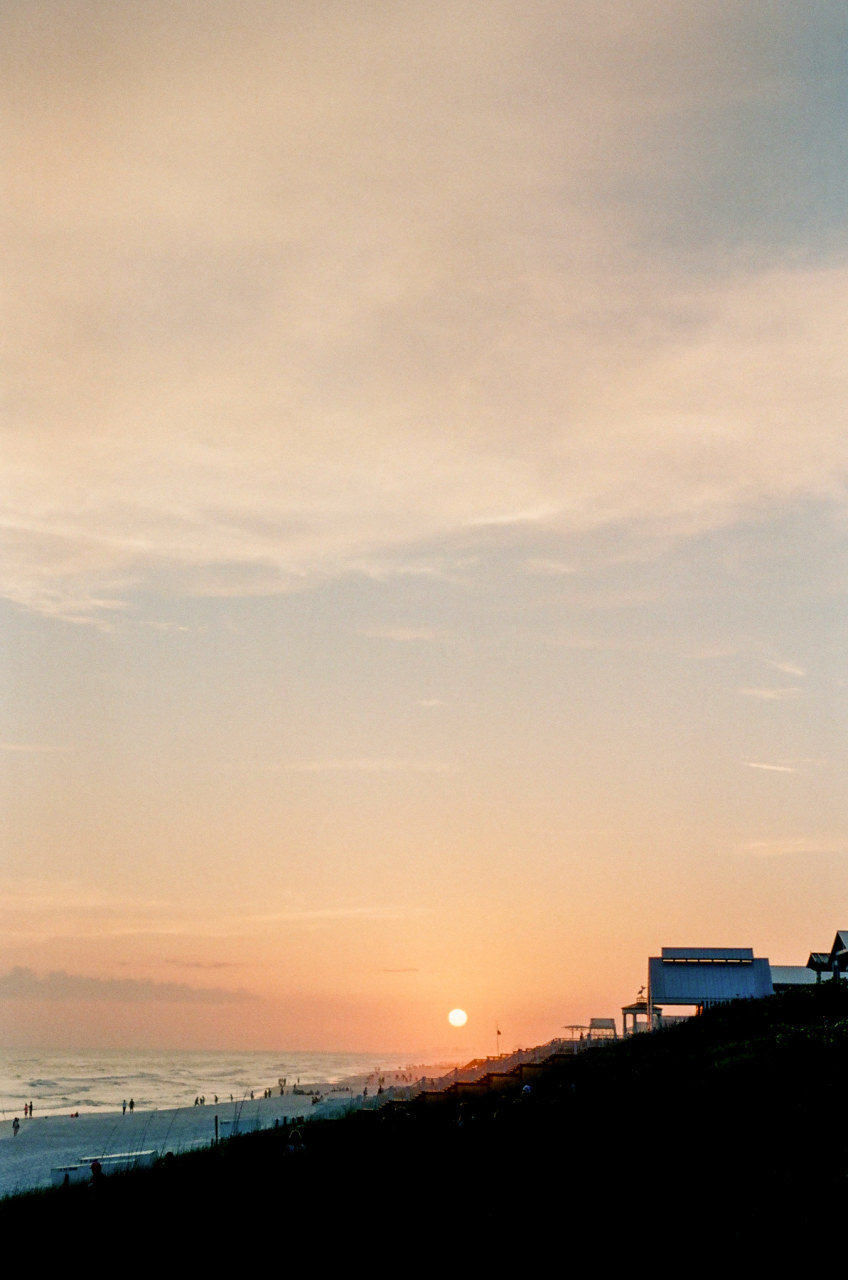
(78, 1114)
(59, 1082)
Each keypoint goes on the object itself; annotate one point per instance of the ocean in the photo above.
(90, 1080)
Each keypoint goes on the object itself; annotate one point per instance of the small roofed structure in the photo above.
(833, 962)
(819, 963)
(576, 1031)
(785, 977)
(637, 1017)
(602, 1029)
(702, 976)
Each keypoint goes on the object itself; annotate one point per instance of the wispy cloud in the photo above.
(532, 516)
(371, 765)
(40, 910)
(779, 847)
(25, 984)
(404, 635)
(549, 568)
(387, 568)
(344, 912)
(772, 695)
(165, 626)
(789, 668)
(773, 768)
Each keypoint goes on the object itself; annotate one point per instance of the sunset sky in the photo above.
(424, 447)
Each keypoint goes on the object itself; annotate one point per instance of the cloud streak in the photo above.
(372, 765)
(788, 668)
(24, 984)
(793, 846)
(786, 694)
(405, 635)
(55, 910)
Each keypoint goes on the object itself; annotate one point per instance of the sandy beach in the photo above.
(48, 1142)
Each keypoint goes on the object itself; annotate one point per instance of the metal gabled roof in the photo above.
(792, 975)
(706, 982)
(708, 953)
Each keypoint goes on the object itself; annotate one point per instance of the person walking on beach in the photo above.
(132, 1106)
(124, 1107)
(16, 1124)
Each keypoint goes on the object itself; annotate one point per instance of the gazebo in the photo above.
(637, 1017)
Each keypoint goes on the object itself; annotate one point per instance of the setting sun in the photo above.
(457, 1017)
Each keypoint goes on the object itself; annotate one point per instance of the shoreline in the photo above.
(59, 1139)
(61, 1083)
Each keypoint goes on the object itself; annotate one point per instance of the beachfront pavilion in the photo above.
(701, 976)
